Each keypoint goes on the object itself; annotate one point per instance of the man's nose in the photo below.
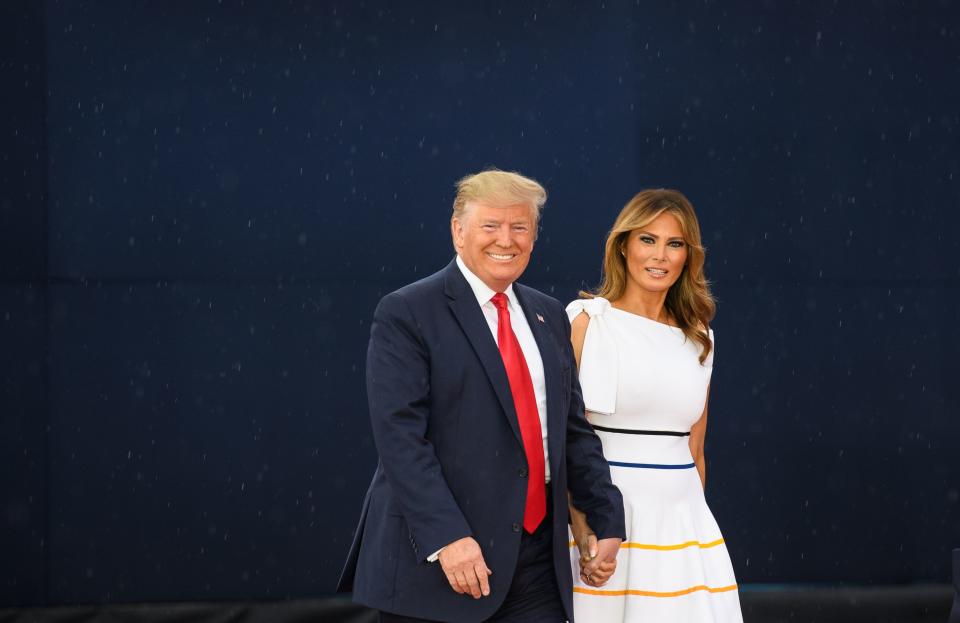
(504, 238)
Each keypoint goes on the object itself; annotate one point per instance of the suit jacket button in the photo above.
(516, 527)
(523, 472)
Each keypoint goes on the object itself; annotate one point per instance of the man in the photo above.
(478, 419)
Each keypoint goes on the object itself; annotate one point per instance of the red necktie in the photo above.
(525, 402)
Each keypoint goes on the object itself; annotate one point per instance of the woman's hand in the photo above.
(599, 575)
(586, 541)
(583, 535)
(597, 571)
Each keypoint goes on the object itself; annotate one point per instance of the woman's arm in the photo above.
(698, 435)
(583, 534)
(578, 332)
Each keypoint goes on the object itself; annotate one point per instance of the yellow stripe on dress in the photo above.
(630, 545)
(639, 593)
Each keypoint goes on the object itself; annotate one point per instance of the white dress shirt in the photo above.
(527, 343)
(531, 353)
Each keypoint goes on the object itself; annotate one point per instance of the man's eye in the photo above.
(520, 228)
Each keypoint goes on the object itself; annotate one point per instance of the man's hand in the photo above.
(597, 570)
(466, 571)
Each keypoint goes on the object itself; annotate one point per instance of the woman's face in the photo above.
(656, 254)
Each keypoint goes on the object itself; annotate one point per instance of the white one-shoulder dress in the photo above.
(644, 387)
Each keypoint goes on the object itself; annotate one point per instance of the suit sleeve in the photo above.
(588, 474)
(398, 391)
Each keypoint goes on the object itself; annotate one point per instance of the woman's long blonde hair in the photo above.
(689, 301)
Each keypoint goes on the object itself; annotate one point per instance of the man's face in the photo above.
(495, 242)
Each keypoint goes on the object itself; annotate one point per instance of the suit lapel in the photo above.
(547, 346)
(465, 309)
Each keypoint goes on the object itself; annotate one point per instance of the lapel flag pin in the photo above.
(540, 318)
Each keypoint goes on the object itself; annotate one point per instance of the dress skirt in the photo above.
(674, 565)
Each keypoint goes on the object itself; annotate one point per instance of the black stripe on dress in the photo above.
(633, 431)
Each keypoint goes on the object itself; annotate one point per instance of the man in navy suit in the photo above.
(478, 420)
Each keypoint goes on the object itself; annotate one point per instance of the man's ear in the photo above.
(456, 231)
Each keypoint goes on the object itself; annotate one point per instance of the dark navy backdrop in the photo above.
(202, 202)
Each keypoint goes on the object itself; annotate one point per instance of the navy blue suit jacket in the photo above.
(451, 457)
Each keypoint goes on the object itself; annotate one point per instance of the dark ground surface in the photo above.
(760, 604)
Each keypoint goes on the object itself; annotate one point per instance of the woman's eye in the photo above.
(646, 239)
(676, 244)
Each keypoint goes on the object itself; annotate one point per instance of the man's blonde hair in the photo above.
(499, 189)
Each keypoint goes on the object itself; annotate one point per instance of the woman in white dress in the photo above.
(645, 354)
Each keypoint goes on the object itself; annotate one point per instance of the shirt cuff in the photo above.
(435, 556)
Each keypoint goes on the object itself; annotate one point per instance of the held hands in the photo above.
(601, 562)
(466, 571)
(598, 559)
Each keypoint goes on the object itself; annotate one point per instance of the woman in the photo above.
(645, 354)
